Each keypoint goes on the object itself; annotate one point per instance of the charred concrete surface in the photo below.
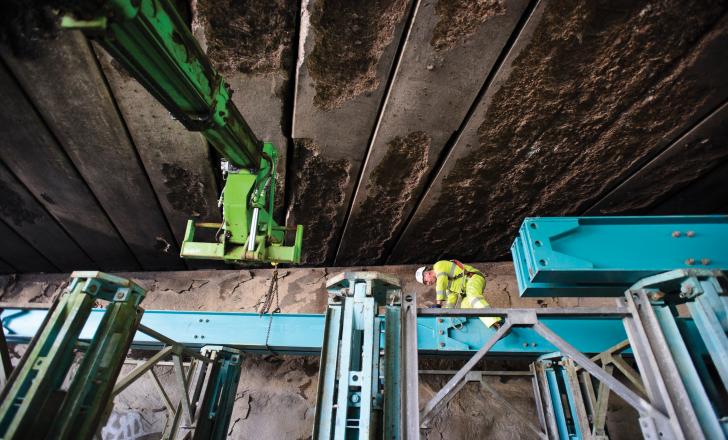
(458, 20)
(82, 114)
(431, 93)
(319, 190)
(340, 132)
(27, 218)
(696, 154)
(706, 195)
(387, 195)
(186, 191)
(50, 176)
(350, 40)
(252, 36)
(572, 112)
(543, 107)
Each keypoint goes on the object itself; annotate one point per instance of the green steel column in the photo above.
(34, 405)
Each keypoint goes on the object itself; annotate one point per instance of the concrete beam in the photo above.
(65, 84)
(32, 153)
(26, 217)
(176, 160)
(5, 268)
(22, 254)
(694, 155)
(252, 45)
(446, 58)
(346, 53)
(579, 102)
(707, 195)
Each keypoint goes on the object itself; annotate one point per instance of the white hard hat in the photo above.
(420, 275)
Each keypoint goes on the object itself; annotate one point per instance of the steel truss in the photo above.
(675, 393)
(36, 404)
(369, 377)
(206, 387)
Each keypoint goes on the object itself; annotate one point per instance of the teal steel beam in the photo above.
(392, 411)
(603, 256)
(304, 333)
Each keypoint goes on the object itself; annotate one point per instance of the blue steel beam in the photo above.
(603, 256)
(303, 333)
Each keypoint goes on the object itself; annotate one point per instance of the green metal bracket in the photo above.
(155, 45)
(34, 405)
(248, 231)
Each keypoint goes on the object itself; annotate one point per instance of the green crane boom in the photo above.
(150, 39)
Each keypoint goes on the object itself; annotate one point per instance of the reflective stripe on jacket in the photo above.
(451, 281)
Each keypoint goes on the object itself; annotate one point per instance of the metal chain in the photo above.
(266, 301)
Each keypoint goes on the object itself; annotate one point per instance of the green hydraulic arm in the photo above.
(35, 404)
(152, 41)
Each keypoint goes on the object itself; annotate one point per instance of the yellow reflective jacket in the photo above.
(451, 281)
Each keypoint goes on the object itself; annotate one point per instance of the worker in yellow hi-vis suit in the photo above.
(453, 279)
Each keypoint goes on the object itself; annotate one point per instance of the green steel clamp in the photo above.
(248, 232)
(155, 45)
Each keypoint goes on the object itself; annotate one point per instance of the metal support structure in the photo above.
(352, 403)
(368, 376)
(304, 333)
(6, 367)
(33, 402)
(207, 389)
(217, 402)
(458, 380)
(595, 256)
(666, 411)
(678, 357)
(410, 412)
